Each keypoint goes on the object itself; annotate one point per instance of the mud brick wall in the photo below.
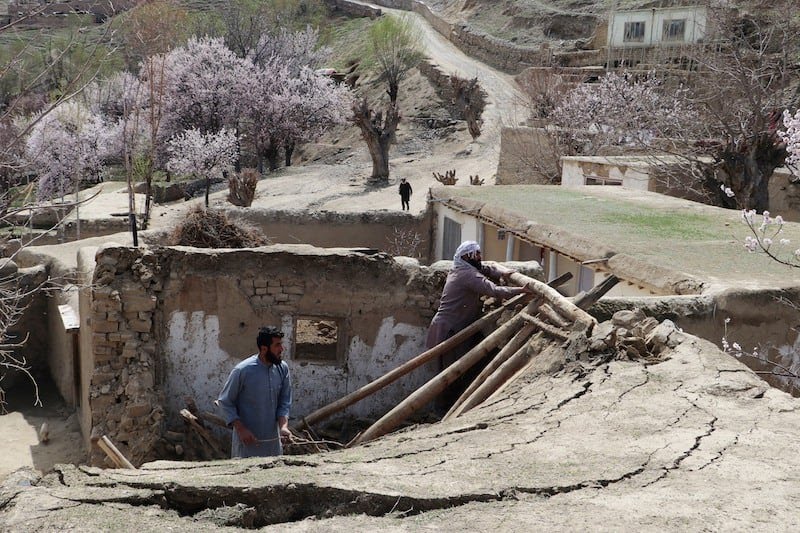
(126, 405)
(170, 323)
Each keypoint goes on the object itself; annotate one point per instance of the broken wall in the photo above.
(759, 320)
(172, 322)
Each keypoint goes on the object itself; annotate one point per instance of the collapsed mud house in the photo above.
(158, 325)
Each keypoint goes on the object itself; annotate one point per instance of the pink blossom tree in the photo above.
(791, 136)
(67, 147)
(205, 87)
(203, 154)
(622, 110)
(720, 127)
(290, 103)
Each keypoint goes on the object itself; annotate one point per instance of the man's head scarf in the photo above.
(469, 249)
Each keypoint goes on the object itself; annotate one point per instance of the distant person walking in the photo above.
(405, 193)
(256, 398)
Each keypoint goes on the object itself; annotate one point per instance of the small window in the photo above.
(316, 340)
(634, 32)
(451, 238)
(597, 180)
(674, 30)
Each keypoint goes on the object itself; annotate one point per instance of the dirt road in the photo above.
(342, 187)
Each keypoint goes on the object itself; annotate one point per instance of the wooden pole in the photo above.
(553, 331)
(438, 350)
(114, 454)
(393, 375)
(508, 350)
(486, 385)
(192, 420)
(559, 303)
(585, 300)
(554, 318)
(419, 398)
(496, 380)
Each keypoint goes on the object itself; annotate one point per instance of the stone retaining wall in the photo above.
(353, 9)
(492, 50)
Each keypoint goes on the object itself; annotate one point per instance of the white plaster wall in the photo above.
(633, 177)
(654, 19)
(395, 344)
(469, 227)
(196, 366)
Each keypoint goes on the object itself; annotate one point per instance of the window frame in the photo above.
(629, 37)
(340, 358)
(666, 34)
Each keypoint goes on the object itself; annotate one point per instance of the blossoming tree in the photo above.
(67, 147)
(204, 154)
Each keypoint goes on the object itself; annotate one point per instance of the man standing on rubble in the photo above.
(460, 304)
(256, 398)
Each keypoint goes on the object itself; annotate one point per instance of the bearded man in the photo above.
(460, 304)
(256, 398)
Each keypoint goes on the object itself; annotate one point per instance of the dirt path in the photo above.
(19, 438)
(342, 187)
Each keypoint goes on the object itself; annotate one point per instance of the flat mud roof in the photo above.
(700, 241)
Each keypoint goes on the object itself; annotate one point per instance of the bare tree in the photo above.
(86, 60)
(378, 130)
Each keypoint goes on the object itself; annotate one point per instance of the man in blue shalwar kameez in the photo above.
(256, 398)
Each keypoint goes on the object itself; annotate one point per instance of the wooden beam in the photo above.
(114, 454)
(561, 304)
(435, 386)
(522, 337)
(202, 432)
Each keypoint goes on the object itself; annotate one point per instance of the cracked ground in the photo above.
(694, 442)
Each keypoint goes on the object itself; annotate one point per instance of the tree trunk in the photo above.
(272, 153)
(747, 171)
(208, 189)
(378, 132)
(288, 150)
(394, 86)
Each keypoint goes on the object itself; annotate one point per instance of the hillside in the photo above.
(558, 22)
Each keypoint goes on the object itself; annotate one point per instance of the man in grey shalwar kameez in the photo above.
(256, 398)
(461, 298)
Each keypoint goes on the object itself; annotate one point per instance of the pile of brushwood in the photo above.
(209, 228)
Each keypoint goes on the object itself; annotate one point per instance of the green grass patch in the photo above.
(664, 225)
(347, 39)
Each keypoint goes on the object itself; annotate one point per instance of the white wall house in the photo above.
(502, 243)
(657, 27)
(630, 172)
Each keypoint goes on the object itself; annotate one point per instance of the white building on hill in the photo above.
(671, 26)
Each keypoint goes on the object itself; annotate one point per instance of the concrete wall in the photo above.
(695, 28)
(172, 323)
